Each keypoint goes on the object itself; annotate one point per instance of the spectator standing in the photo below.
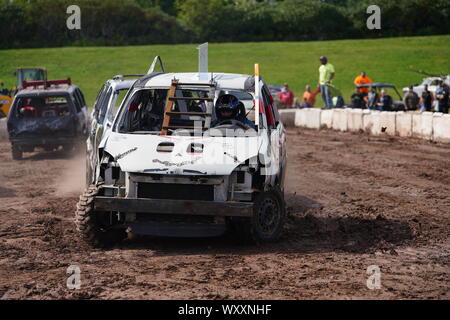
(326, 76)
(286, 96)
(411, 99)
(362, 79)
(426, 100)
(309, 97)
(442, 95)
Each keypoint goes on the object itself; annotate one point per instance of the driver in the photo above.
(228, 107)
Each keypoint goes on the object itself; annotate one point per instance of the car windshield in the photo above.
(144, 111)
(42, 107)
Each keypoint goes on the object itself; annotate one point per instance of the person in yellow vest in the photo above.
(326, 76)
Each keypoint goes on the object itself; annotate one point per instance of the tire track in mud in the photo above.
(353, 201)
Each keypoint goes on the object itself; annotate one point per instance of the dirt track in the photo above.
(353, 201)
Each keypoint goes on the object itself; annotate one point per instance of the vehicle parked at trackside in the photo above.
(397, 102)
(169, 168)
(105, 108)
(432, 81)
(47, 114)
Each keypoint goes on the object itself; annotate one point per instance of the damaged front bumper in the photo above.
(186, 207)
(189, 209)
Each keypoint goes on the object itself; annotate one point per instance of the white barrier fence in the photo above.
(426, 125)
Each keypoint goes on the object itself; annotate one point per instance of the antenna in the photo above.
(203, 61)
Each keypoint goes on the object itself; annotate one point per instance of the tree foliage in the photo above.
(39, 23)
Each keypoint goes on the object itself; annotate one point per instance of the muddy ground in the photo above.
(353, 201)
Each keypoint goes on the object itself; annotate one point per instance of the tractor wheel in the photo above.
(89, 222)
(16, 152)
(266, 224)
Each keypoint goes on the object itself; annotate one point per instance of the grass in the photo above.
(384, 60)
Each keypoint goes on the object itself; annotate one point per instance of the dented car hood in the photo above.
(153, 154)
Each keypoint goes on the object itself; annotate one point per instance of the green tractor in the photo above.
(21, 74)
(29, 74)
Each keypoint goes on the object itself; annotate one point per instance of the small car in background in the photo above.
(47, 114)
(274, 91)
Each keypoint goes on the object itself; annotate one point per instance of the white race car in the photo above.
(168, 167)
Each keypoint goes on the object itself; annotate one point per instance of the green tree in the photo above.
(202, 16)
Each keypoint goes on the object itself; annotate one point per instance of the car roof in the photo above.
(50, 90)
(223, 80)
(274, 86)
(377, 85)
(122, 84)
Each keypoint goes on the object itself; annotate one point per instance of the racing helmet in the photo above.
(227, 102)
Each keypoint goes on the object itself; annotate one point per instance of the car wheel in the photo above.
(16, 152)
(89, 222)
(266, 224)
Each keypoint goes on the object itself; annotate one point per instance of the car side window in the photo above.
(76, 101)
(80, 98)
(103, 108)
(100, 103)
(271, 123)
(275, 112)
(97, 101)
(83, 100)
(119, 95)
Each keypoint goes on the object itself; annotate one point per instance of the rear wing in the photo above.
(46, 83)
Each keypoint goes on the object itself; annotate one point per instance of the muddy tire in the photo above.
(89, 223)
(266, 225)
(16, 153)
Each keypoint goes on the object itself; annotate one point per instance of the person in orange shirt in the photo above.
(362, 79)
(309, 97)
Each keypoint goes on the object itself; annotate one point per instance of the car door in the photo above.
(277, 138)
